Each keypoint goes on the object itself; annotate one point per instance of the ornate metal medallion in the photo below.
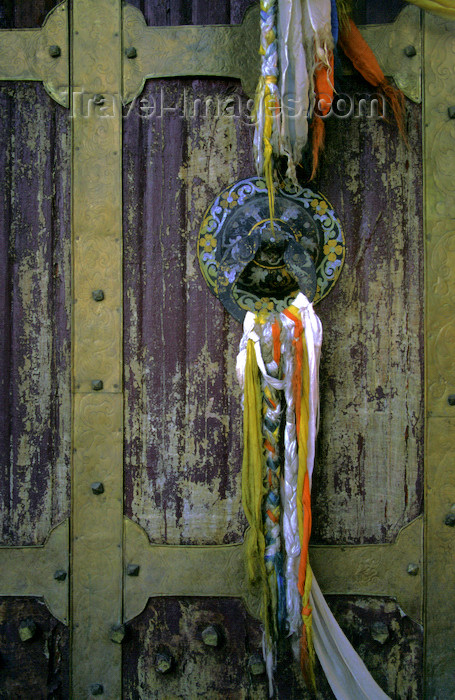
(252, 265)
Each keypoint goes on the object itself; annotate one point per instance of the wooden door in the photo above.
(155, 519)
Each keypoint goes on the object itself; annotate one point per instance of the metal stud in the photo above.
(413, 569)
(97, 385)
(380, 632)
(410, 51)
(96, 689)
(451, 397)
(27, 630)
(450, 520)
(60, 575)
(256, 665)
(118, 633)
(98, 99)
(55, 51)
(164, 661)
(97, 488)
(133, 569)
(98, 295)
(211, 636)
(130, 52)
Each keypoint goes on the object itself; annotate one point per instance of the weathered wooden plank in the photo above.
(181, 420)
(38, 668)
(369, 476)
(176, 625)
(24, 14)
(35, 381)
(390, 644)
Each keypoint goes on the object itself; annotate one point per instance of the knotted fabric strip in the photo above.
(278, 369)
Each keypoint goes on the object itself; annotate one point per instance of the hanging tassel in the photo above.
(252, 483)
(317, 141)
(344, 11)
(363, 59)
(293, 84)
(301, 388)
(323, 85)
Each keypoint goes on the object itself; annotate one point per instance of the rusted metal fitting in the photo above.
(97, 488)
(60, 575)
(256, 665)
(211, 636)
(97, 384)
(133, 569)
(164, 662)
(98, 294)
(55, 51)
(118, 633)
(27, 629)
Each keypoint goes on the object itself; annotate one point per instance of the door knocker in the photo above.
(251, 265)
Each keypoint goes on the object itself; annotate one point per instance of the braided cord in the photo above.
(271, 431)
(267, 101)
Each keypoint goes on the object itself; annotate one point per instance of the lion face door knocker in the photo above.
(252, 265)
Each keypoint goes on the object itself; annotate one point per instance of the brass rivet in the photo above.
(96, 689)
(164, 661)
(410, 51)
(55, 51)
(60, 575)
(133, 569)
(97, 488)
(211, 636)
(118, 633)
(97, 385)
(98, 295)
(130, 52)
(256, 665)
(413, 569)
(451, 397)
(27, 630)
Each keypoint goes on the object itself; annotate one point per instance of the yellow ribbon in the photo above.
(443, 8)
(253, 483)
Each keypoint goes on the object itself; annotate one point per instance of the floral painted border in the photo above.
(323, 215)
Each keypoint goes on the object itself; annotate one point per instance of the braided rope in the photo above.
(271, 423)
(289, 484)
(267, 99)
(271, 431)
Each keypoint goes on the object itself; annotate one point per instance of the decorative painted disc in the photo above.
(251, 265)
